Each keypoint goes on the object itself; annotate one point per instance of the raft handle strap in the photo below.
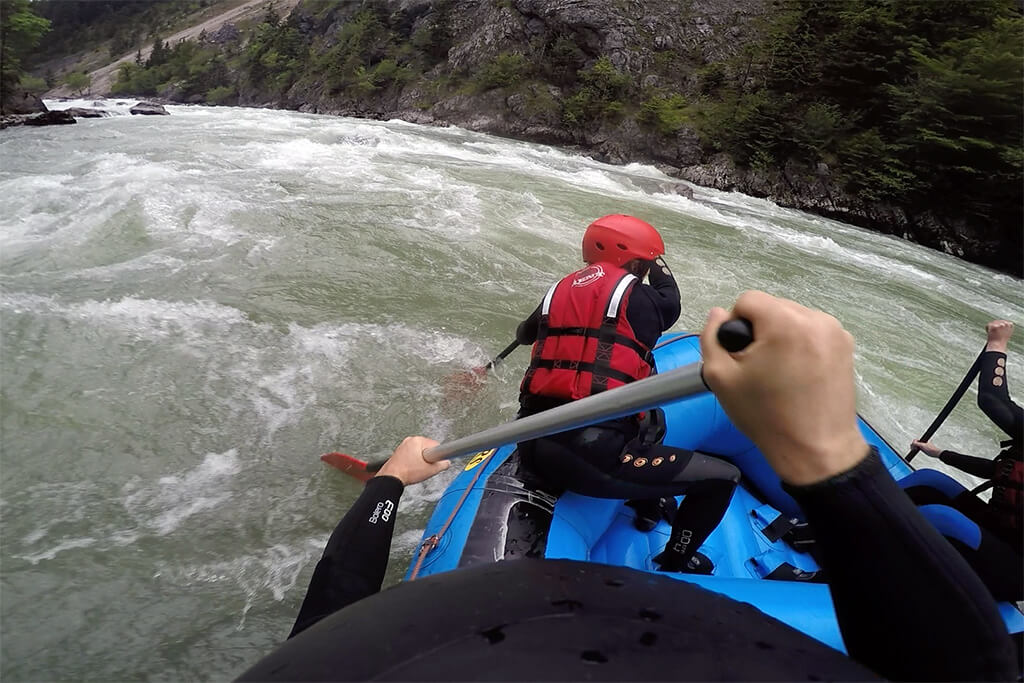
(434, 540)
(795, 533)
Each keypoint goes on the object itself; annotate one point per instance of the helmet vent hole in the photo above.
(622, 246)
(599, 246)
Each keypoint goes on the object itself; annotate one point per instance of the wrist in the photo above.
(805, 464)
(998, 345)
(388, 470)
(868, 467)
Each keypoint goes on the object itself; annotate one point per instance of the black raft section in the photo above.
(551, 620)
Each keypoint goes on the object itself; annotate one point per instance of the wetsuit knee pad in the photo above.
(945, 484)
(560, 466)
(953, 524)
(703, 467)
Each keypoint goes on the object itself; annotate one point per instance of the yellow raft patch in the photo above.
(478, 458)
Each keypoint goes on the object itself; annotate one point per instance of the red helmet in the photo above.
(618, 239)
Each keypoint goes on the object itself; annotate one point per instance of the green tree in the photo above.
(158, 55)
(20, 31)
(961, 116)
(503, 71)
(666, 114)
(599, 96)
(78, 81)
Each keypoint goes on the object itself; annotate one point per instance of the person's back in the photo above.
(619, 251)
(595, 330)
(583, 345)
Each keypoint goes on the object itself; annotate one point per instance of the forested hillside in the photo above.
(904, 117)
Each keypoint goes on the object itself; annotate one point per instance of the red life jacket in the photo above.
(584, 343)
(1007, 499)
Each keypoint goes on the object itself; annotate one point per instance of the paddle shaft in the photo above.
(629, 399)
(503, 355)
(950, 404)
(625, 400)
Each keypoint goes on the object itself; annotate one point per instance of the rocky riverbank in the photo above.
(29, 110)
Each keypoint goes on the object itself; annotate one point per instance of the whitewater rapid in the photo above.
(194, 307)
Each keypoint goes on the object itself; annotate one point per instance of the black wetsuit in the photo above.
(356, 556)
(614, 460)
(995, 551)
(908, 607)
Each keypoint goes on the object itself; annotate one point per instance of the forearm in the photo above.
(526, 333)
(356, 556)
(994, 395)
(978, 467)
(666, 293)
(908, 605)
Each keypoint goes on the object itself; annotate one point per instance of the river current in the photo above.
(195, 307)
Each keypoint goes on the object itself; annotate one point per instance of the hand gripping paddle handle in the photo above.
(735, 335)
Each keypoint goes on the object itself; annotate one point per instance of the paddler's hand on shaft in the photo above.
(927, 448)
(792, 390)
(407, 464)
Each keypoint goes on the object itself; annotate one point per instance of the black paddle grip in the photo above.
(735, 335)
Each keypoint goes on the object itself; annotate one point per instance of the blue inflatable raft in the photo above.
(488, 514)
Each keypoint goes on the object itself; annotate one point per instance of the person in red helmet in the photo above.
(595, 330)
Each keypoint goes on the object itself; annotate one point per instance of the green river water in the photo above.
(194, 307)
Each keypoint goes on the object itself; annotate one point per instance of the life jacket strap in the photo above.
(581, 366)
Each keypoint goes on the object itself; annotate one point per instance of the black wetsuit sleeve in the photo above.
(654, 308)
(909, 607)
(665, 293)
(356, 556)
(526, 333)
(979, 467)
(994, 395)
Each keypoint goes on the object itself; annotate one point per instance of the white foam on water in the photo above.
(271, 573)
(66, 508)
(349, 342)
(284, 397)
(406, 542)
(280, 376)
(309, 363)
(276, 569)
(114, 106)
(67, 210)
(165, 505)
(50, 553)
(71, 499)
(300, 153)
(821, 245)
(442, 204)
(188, 322)
(35, 535)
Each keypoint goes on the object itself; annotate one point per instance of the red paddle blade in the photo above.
(353, 467)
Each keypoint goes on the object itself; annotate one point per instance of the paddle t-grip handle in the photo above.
(735, 335)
